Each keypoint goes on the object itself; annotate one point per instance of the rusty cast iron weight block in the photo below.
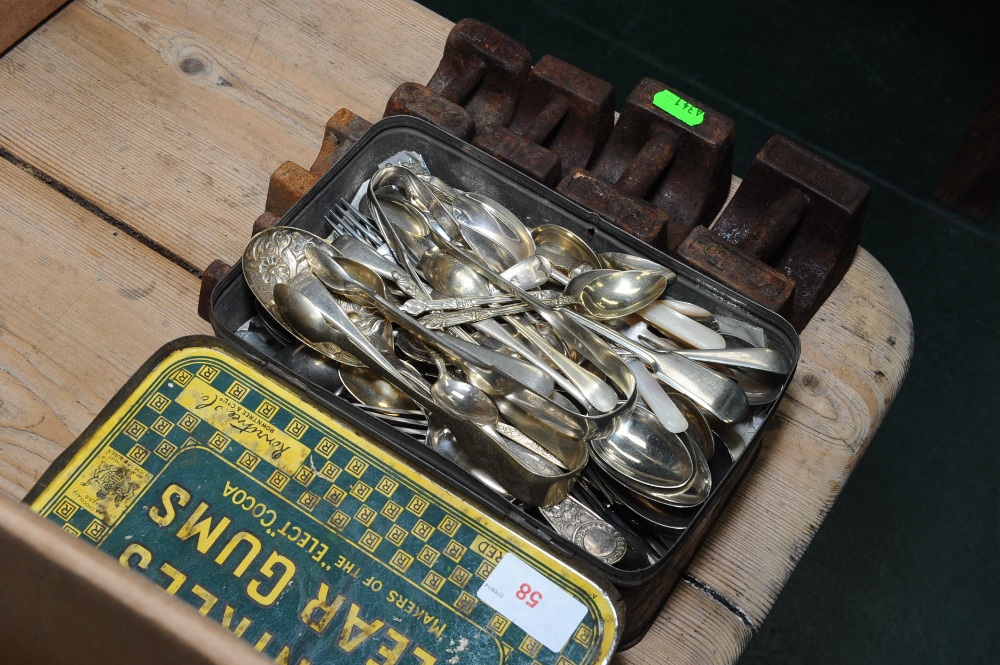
(665, 169)
(477, 82)
(788, 235)
(290, 182)
(563, 119)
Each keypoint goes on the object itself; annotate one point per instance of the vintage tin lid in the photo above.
(231, 490)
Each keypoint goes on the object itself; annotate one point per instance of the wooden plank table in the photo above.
(138, 139)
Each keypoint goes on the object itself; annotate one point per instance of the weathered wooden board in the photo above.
(170, 117)
(83, 305)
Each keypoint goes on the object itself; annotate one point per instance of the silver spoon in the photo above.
(372, 390)
(566, 250)
(698, 431)
(452, 277)
(688, 495)
(622, 498)
(642, 450)
(277, 256)
(491, 371)
(311, 365)
(608, 294)
(493, 221)
(536, 484)
(406, 221)
(464, 399)
(713, 391)
(751, 357)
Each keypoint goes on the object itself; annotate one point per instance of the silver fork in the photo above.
(345, 219)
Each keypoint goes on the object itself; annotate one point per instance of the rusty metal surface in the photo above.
(215, 271)
(794, 215)
(342, 130)
(785, 240)
(738, 269)
(530, 158)
(638, 216)
(290, 181)
(482, 69)
(477, 83)
(422, 102)
(682, 170)
(563, 119)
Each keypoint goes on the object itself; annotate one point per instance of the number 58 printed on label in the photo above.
(532, 602)
(526, 594)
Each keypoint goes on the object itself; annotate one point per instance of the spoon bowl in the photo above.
(407, 220)
(609, 294)
(277, 256)
(372, 390)
(563, 248)
(698, 433)
(461, 398)
(312, 366)
(495, 222)
(642, 450)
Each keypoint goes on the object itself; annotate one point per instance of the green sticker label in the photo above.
(684, 111)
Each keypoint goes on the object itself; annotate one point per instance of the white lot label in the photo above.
(532, 602)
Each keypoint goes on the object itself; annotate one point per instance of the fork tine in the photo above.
(355, 215)
(334, 223)
(339, 228)
(363, 223)
(344, 226)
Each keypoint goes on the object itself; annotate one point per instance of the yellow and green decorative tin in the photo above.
(313, 542)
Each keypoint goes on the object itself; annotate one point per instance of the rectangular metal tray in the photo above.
(465, 167)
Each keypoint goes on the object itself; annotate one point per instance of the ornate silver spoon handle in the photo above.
(439, 320)
(577, 523)
(522, 439)
(417, 306)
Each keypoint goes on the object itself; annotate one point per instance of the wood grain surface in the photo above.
(84, 304)
(21, 17)
(139, 138)
(68, 603)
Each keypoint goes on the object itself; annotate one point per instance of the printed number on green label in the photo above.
(684, 111)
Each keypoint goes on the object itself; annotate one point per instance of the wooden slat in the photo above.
(62, 601)
(21, 16)
(172, 116)
(83, 305)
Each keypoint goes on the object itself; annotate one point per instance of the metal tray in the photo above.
(465, 167)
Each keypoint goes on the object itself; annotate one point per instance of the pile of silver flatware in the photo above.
(534, 363)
